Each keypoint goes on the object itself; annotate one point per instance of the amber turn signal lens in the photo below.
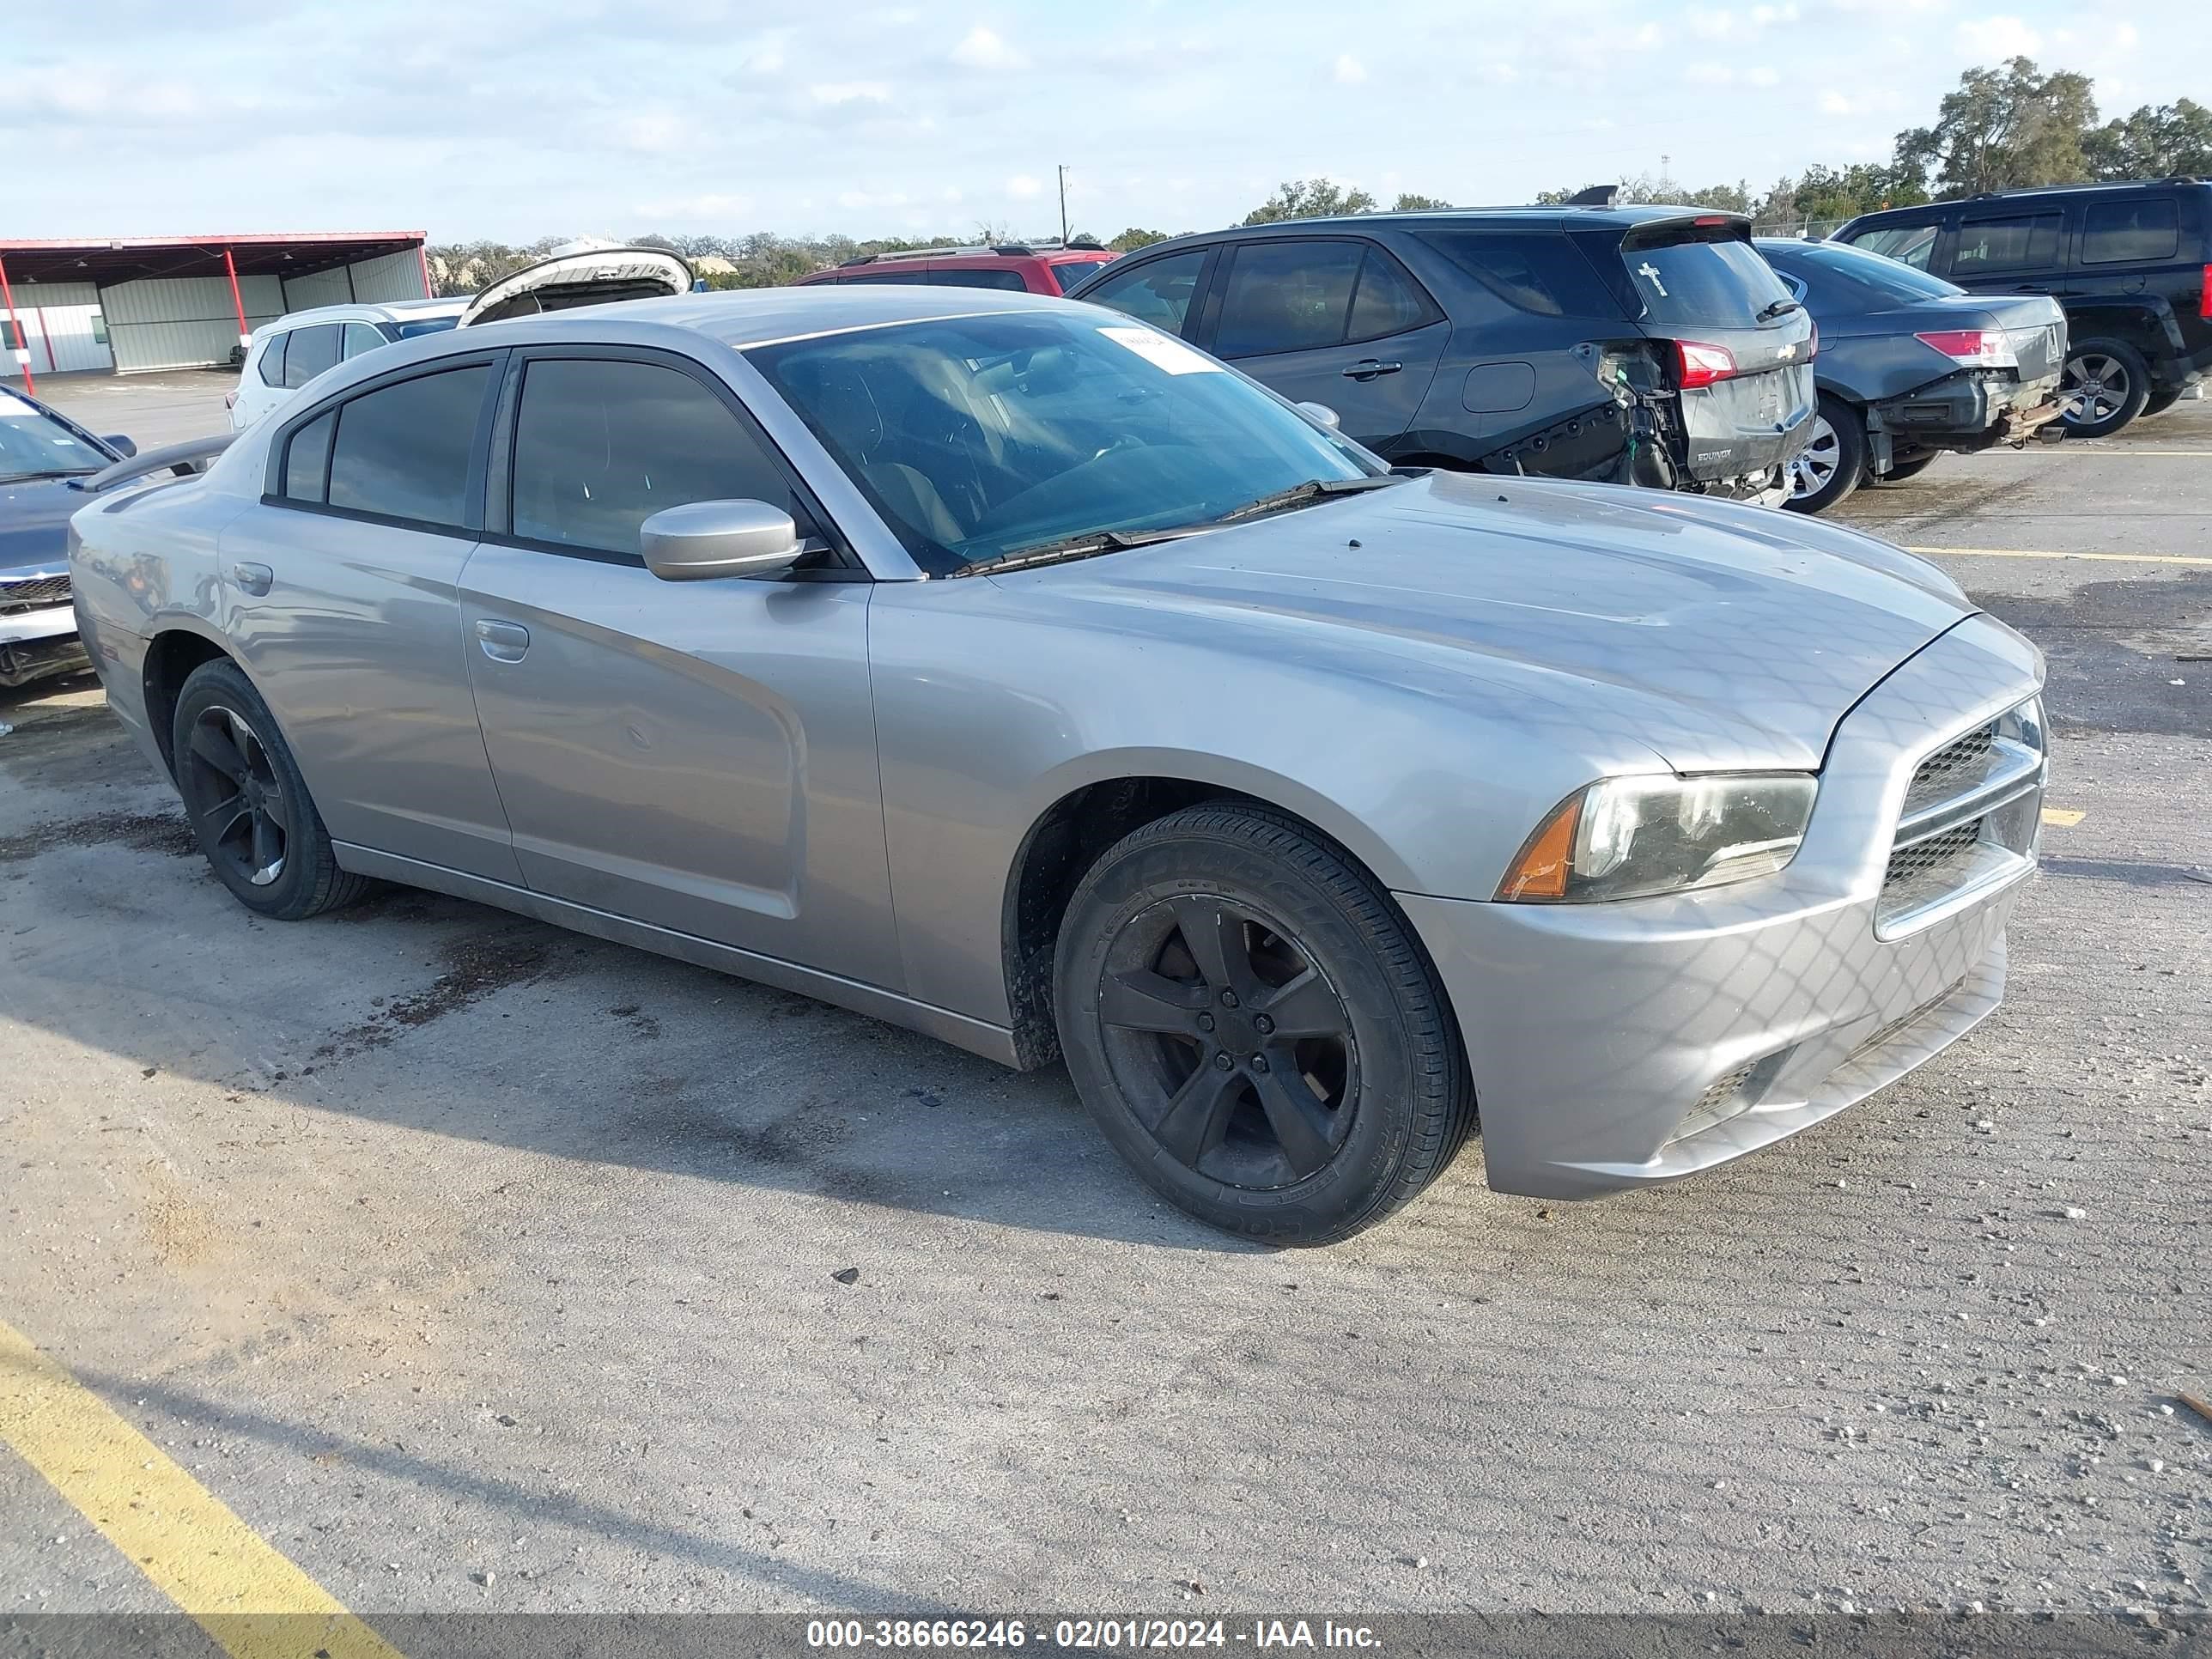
(1540, 872)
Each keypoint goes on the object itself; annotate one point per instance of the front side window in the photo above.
(601, 445)
(311, 351)
(272, 361)
(977, 437)
(402, 451)
(1908, 243)
(2138, 231)
(2006, 244)
(1287, 296)
(1158, 291)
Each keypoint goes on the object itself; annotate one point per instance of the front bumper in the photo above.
(34, 644)
(1620, 1045)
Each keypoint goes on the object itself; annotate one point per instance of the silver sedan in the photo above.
(1007, 669)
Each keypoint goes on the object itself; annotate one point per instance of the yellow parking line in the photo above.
(2030, 553)
(2062, 818)
(254, 1603)
(2079, 447)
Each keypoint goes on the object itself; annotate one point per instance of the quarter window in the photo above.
(1157, 291)
(2006, 244)
(307, 460)
(1539, 272)
(272, 361)
(601, 445)
(310, 352)
(402, 452)
(2135, 232)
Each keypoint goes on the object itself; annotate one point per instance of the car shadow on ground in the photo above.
(441, 1015)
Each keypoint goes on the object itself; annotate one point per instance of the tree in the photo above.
(1824, 194)
(1132, 239)
(2152, 142)
(1309, 198)
(2001, 130)
(1409, 202)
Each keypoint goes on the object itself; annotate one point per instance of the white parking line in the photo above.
(2038, 553)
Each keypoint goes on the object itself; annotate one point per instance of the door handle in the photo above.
(1367, 368)
(253, 578)
(502, 642)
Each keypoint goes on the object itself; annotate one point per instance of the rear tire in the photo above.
(249, 806)
(1833, 460)
(1255, 1028)
(1901, 471)
(2111, 381)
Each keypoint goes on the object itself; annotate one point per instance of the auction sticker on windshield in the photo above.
(1159, 348)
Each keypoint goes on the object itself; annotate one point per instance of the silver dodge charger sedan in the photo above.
(1004, 668)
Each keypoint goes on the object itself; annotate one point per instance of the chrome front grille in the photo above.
(1969, 820)
(32, 592)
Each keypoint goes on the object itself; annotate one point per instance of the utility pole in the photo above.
(1063, 203)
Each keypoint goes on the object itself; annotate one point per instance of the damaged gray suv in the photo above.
(1008, 668)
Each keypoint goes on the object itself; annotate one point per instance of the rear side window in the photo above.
(310, 352)
(403, 450)
(1286, 296)
(272, 361)
(2134, 231)
(307, 460)
(886, 276)
(2006, 244)
(1724, 283)
(1157, 291)
(601, 445)
(972, 277)
(1543, 274)
(1908, 243)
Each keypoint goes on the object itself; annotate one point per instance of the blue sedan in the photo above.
(43, 456)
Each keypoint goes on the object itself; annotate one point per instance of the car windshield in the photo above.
(1068, 272)
(1724, 282)
(985, 436)
(426, 326)
(1851, 279)
(33, 445)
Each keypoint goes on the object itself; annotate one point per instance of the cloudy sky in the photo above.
(480, 118)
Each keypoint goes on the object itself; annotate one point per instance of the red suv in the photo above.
(1053, 268)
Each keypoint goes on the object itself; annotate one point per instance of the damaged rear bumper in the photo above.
(1973, 409)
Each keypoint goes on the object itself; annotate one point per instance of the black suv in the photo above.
(1635, 344)
(2131, 263)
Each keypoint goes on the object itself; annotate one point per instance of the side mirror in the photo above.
(702, 540)
(1320, 415)
(121, 445)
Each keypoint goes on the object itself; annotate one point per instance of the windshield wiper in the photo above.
(1313, 490)
(1777, 308)
(1087, 545)
(47, 472)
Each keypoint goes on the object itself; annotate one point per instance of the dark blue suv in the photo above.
(1637, 344)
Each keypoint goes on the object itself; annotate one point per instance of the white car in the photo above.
(282, 356)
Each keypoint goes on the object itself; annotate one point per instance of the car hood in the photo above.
(1719, 636)
(35, 519)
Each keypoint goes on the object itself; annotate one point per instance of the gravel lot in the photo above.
(480, 1265)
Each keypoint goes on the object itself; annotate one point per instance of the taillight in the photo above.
(1975, 348)
(2204, 297)
(230, 400)
(1813, 345)
(1702, 365)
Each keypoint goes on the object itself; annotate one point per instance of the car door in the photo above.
(1333, 320)
(339, 591)
(697, 755)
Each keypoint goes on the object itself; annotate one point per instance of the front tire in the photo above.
(1833, 460)
(1255, 1029)
(247, 804)
(2107, 384)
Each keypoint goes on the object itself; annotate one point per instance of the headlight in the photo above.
(1631, 837)
(2024, 724)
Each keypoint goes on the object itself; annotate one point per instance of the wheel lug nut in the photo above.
(1262, 1025)
(1223, 1063)
(1228, 999)
(1205, 1022)
(1259, 1062)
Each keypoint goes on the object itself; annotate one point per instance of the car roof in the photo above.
(1560, 217)
(741, 318)
(2027, 193)
(363, 311)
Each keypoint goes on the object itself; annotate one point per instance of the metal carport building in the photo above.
(145, 302)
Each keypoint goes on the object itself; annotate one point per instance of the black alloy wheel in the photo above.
(235, 797)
